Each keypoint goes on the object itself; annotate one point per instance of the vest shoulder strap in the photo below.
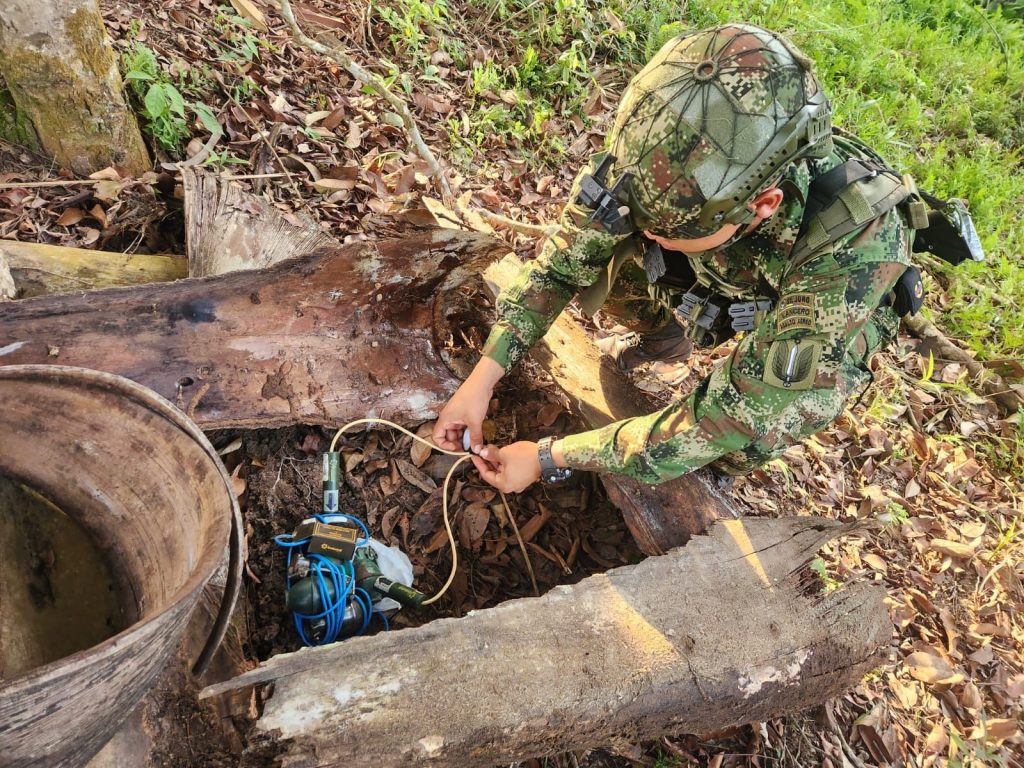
(843, 200)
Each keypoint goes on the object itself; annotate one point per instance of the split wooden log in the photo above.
(323, 339)
(659, 517)
(227, 229)
(619, 657)
(39, 269)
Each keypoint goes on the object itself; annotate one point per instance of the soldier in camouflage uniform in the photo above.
(723, 133)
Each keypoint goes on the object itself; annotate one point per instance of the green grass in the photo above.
(936, 86)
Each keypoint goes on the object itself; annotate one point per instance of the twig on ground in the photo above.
(522, 545)
(273, 150)
(990, 384)
(534, 230)
(364, 76)
(938, 266)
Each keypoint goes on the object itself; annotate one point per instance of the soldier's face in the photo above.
(696, 245)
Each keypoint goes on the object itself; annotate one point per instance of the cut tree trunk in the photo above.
(659, 517)
(62, 71)
(620, 657)
(227, 229)
(39, 269)
(323, 339)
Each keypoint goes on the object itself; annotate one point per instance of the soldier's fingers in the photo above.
(486, 471)
(491, 453)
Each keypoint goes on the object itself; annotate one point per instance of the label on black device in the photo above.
(336, 541)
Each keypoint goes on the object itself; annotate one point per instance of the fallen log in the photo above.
(659, 517)
(619, 657)
(39, 269)
(323, 339)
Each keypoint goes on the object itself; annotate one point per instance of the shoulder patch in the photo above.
(792, 363)
(795, 313)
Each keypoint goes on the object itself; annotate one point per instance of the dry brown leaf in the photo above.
(387, 522)
(546, 416)
(1015, 686)
(70, 217)
(989, 629)
(238, 483)
(315, 117)
(107, 174)
(352, 460)
(472, 524)
(535, 523)
(420, 479)
(995, 730)
(983, 655)
(328, 186)
(354, 139)
(438, 540)
(906, 694)
(420, 452)
(108, 190)
(479, 494)
(949, 624)
(937, 740)
(875, 562)
(931, 669)
(953, 548)
(248, 11)
(973, 530)
(333, 120)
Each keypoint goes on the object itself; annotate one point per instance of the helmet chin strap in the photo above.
(740, 233)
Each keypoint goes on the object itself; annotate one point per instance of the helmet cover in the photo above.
(714, 118)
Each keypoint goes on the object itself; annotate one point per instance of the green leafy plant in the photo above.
(830, 583)
(162, 105)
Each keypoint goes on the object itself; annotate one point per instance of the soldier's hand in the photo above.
(510, 469)
(467, 408)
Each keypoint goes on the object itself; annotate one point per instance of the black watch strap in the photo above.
(549, 473)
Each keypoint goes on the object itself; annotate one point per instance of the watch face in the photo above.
(556, 475)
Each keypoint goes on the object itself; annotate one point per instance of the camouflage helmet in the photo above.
(713, 119)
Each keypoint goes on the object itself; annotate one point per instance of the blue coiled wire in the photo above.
(329, 573)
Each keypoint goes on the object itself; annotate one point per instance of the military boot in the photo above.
(667, 344)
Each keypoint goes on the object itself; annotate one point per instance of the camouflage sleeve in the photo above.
(570, 261)
(786, 380)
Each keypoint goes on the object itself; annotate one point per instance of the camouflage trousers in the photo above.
(637, 304)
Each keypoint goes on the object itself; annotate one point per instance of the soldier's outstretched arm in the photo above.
(786, 380)
(572, 260)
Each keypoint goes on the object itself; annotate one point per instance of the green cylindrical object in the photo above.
(403, 594)
(370, 579)
(304, 596)
(332, 475)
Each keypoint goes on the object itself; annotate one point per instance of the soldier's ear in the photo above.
(767, 203)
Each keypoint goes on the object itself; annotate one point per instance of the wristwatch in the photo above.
(549, 473)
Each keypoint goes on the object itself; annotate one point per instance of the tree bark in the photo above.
(62, 72)
(323, 339)
(227, 229)
(619, 657)
(659, 517)
(39, 269)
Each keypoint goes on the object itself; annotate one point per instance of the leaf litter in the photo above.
(937, 466)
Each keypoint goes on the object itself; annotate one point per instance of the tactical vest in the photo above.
(839, 201)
